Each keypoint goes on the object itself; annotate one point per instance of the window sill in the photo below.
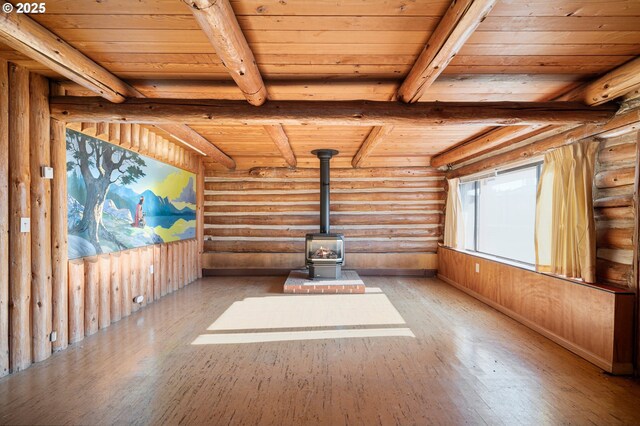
(531, 268)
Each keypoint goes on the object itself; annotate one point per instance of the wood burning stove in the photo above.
(324, 251)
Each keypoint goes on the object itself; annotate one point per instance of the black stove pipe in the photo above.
(324, 155)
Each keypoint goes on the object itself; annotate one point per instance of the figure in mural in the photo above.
(98, 163)
(139, 219)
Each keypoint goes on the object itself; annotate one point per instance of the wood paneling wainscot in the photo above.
(258, 218)
(595, 322)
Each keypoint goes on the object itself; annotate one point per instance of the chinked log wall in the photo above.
(391, 218)
(615, 210)
(40, 290)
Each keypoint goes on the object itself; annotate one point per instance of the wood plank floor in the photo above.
(468, 364)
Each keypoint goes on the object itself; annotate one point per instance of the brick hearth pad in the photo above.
(299, 282)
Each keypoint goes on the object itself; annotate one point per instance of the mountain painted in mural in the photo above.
(119, 199)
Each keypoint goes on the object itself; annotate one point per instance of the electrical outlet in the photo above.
(46, 172)
(477, 268)
(25, 224)
(53, 336)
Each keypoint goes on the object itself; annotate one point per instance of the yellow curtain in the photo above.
(565, 239)
(453, 220)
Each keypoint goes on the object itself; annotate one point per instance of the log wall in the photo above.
(47, 302)
(615, 209)
(258, 218)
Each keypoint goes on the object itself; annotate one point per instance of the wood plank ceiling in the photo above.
(529, 50)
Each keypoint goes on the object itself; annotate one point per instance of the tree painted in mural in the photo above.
(101, 165)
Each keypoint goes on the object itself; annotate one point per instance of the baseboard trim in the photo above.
(615, 368)
(274, 272)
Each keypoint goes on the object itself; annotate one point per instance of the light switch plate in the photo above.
(25, 224)
(46, 172)
(151, 269)
(477, 268)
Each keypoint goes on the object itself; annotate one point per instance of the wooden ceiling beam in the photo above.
(615, 83)
(280, 139)
(347, 113)
(456, 26)
(492, 139)
(376, 136)
(23, 34)
(190, 137)
(620, 124)
(32, 39)
(219, 23)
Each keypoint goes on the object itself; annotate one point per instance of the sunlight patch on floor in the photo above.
(322, 310)
(293, 317)
(262, 337)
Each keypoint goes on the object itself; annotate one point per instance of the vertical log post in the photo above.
(192, 267)
(144, 140)
(170, 153)
(136, 269)
(125, 285)
(188, 262)
(181, 157)
(151, 270)
(636, 251)
(125, 135)
(102, 130)
(194, 249)
(135, 137)
(187, 266)
(88, 128)
(115, 303)
(145, 276)
(59, 233)
(104, 292)
(157, 273)
(76, 300)
(151, 143)
(175, 265)
(165, 149)
(114, 133)
(19, 209)
(39, 156)
(4, 218)
(200, 214)
(180, 264)
(164, 266)
(91, 298)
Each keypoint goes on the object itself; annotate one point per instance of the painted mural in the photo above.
(119, 199)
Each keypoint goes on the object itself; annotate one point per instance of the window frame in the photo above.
(537, 164)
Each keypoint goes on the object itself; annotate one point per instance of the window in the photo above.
(499, 213)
